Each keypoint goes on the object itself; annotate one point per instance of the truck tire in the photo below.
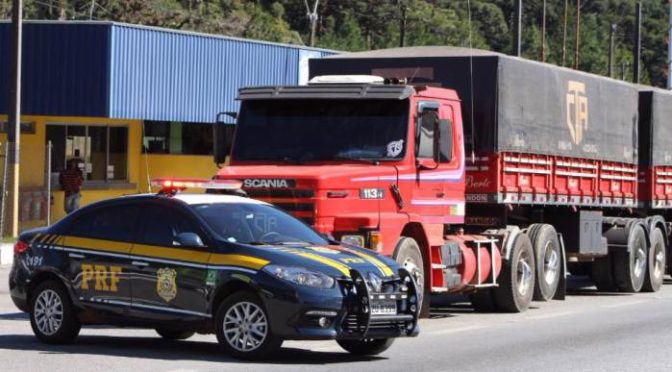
(516, 281)
(258, 341)
(408, 256)
(483, 301)
(548, 257)
(174, 335)
(602, 274)
(52, 316)
(630, 267)
(656, 264)
(366, 346)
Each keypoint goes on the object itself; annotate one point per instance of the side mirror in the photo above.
(222, 137)
(189, 239)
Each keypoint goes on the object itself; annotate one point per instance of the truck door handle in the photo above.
(139, 264)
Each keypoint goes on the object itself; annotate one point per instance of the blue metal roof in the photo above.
(123, 71)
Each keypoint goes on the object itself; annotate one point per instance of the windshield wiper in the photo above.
(357, 159)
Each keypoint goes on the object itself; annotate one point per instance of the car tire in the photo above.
(630, 267)
(516, 281)
(52, 316)
(366, 346)
(172, 334)
(548, 258)
(408, 256)
(245, 335)
(655, 270)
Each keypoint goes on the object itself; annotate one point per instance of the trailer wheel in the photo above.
(603, 275)
(483, 301)
(656, 263)
(630, 267)
(516, 281)
(549, 261)
(410, 258)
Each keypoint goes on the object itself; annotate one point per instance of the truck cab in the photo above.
(372, 162)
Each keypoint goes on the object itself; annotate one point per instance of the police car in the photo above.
(208, 263)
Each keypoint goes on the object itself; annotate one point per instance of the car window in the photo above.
(164, 224)
(255, 223)
(117, 222)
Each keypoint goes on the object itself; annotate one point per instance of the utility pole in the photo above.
(612, 33)
(543, 33)
(312, 17)
(518, 20)
(402, 24)
(564, 35)
(578, 34)
(14, 123)
(637, 44)
(669, 51)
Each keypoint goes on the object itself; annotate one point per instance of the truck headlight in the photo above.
(300, 276)
(357, 240)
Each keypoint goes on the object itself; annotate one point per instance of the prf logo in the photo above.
(577, 110)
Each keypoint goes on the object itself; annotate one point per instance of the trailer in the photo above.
(480, 173)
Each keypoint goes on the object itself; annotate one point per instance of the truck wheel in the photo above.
(516, 281)
(656, 264)
(549, 260)
(630, 267)
(482, 301)
(603, 275)
(52, 316)
(410, 258)
(366, 346)
(171, 334)
(243, 329)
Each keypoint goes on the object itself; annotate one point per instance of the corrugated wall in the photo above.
(164, 75)
(64, 68)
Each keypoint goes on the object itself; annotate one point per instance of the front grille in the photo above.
(279, 193)
(376, 324)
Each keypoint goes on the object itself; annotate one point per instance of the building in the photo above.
(127, 102)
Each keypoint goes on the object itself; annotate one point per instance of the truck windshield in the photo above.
(321, 130)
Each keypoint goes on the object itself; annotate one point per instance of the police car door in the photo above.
(169, 279)
(98, 243)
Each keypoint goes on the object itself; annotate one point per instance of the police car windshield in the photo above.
(249, 223)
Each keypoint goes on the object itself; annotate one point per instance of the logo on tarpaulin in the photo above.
(577, 110)
(166, 286)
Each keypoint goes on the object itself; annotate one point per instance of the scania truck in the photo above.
(480, 173)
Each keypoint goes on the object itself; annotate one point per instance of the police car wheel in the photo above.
(366, 346)
(52, 316)
(171, 334)
(243, 328)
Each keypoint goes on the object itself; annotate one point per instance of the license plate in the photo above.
(384, 308)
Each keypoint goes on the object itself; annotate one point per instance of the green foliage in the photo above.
(353, 25)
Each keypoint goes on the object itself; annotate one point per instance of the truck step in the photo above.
(439, 266)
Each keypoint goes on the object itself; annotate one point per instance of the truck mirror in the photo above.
(222, 136)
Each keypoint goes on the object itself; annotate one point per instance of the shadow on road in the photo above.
(156, 348)
(14, 316)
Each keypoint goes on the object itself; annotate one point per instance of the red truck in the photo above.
(480, 173)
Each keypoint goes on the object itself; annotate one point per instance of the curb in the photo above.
(6, 253)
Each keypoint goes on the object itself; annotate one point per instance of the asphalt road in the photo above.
(589, 331)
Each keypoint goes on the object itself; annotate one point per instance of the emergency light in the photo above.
(172, 185)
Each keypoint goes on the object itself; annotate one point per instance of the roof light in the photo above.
(170, 185)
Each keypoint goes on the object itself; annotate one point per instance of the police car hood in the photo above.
(333, 260)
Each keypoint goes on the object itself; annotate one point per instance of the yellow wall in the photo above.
(33, 156)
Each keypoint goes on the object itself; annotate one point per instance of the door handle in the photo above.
(139, 263)
(75, 255)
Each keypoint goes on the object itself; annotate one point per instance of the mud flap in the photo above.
(561, 292)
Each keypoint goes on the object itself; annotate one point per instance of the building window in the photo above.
(27, 127)
(101, 152)
(165, 137)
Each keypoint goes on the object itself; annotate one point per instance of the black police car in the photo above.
(207, 263)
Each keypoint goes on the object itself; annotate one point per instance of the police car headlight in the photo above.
(301, 276)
